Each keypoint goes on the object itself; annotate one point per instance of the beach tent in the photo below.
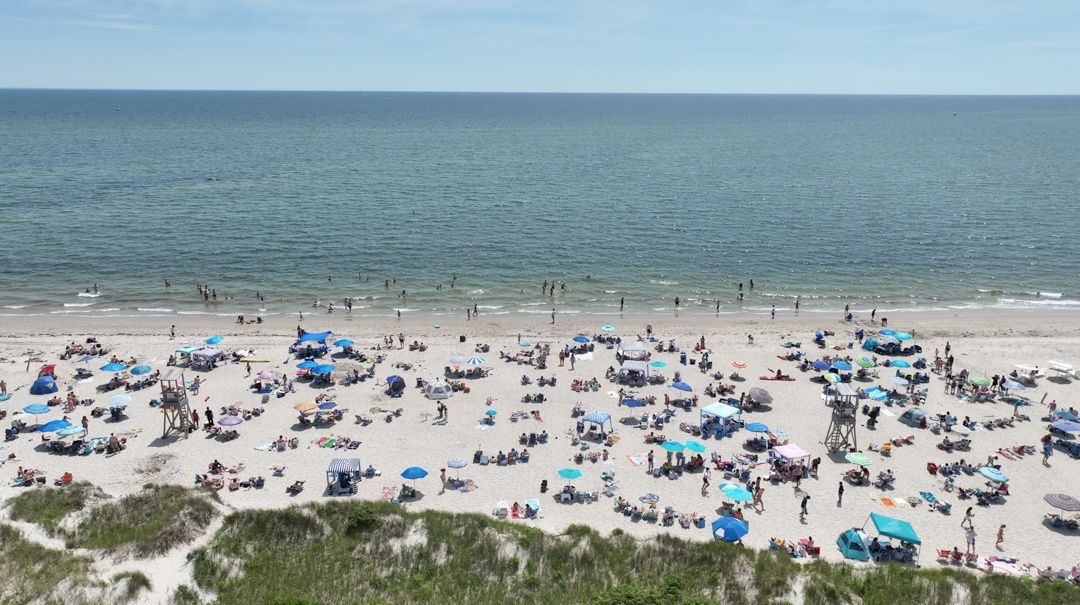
(439, 390)
(791, 453)
(870, 344)
(854, 544)
(600, 418)
(347, 467)
(187, 350)
(913, 417)
(719, 410)
(631, 365)
(43, 386)
(314, 337)
(631, 350)
(895, 528)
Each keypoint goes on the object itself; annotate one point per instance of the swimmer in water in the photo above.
(316, 303)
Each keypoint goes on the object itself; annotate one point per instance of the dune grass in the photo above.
(135, 582)
(48, 507)
(375, 552)
(146, 524)
(32, 573)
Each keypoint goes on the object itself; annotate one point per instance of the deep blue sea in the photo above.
(887, 202)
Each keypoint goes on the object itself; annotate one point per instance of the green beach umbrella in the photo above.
(859, 458)
(865, 362)
(979, 380)
(831, 377)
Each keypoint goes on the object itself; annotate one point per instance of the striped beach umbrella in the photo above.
(865, 362)
(859, 459)
(979, 380)
(738, 364)
(831, 377)
(1062, 501)
(475, 361)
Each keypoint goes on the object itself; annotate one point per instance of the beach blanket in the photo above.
(886, 412)
(389, 492)
(237, 469)
(637, 459)
(609, 461)
(902, 503)
(329, 443)
(483, 426)
(515, 515)
(649, 498)
(321, 441)
(584, 356)
(469, 486)
(128, 432)
(266, 447)
(888, 502)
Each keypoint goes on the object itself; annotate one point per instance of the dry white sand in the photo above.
(986, 344)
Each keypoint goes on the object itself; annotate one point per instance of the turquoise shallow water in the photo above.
(913, 203)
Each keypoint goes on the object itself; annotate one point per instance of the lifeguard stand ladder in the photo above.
(841, 435)
(176, 415)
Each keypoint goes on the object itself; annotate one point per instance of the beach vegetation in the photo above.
(48, 508)
(32, 573)
(134, 583)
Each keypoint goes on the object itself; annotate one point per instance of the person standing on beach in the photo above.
(648, 330)
(3, 387)
(401, 339)
(872, 314)
(802, 513)
(840, 495)
(475, 310)
(971, 540)
(948, 347)
(194, 418)
(650, 461)
(718, 305)
(249, 368)
(573, 358)
(172, 332)
(442, 477)
(1000, 536)
(468, 314)
(553, 317)
(705, 481)
(562, 358)
(621, 302)
(750, 337)
(774, 311)
(209, 416)
(677, 302)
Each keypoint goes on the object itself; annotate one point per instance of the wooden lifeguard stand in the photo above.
(845, 404)
(176, 415)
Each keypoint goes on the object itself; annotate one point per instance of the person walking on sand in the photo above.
(172, 332)
(971, 540)
(759, 494)
(802, 513)
(562, 358)
(553, 317)
(705, 481)
(650, 461)
(442, 477)
(774, 311)
(1000, 536)
(573, 358)
(249, 368)
(840, 495)
(968, 516)
(209, 416)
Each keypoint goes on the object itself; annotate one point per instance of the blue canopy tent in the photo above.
(600, 418)
(870, 344)
(895, 528)
(719, 410)
(319, 337)
(43, 386)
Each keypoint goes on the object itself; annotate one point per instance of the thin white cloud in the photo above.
(125, 25)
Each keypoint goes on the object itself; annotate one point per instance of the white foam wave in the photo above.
(476, 291)
(14, 306)
(78, 304)
(155, 310)
(90, 294)
(190, 312)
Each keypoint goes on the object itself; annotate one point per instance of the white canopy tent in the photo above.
(439, 389)
(631, 350)
(719, 410)
(792, 453)
(631, 365)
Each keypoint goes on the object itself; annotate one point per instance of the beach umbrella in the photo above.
(682, 386)
(963, 430)
(491, 412)
(760, 395)
(54, 425)
(267, 375)
(820, 365)
(4, 397)
(632, 403)
(414, 472)
(886, 332)
(73, 429)
(993, 474)
(37, 408)
(729, 529)
(1010, 384)
(738, 494)
(900, 363)
(902, 336)
(865, 362)
(1062, 501)
(979, 380)
(49, 370)
(738, 364)
(324, 369)
(457, 463)
(581, 339)
(889, 339)
(673, 446)
(140, 370)
(230, 421)
(607, 328)
(113, 367)
(726, 485)
(307, 364)
(1065, 414)
(1066, 426)
(475, 361)
(120, 401)
(327, 405)
(213, 340)
(757, 427)
(344, 342)
(43, 386)
(843, 366)
(697, 448)
(570, 474)
(304, 406)
(458, 359)
(658, 364)
(898, 380)
(859, 459)
(831, 377)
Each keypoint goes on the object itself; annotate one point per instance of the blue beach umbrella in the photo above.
(307, 365)
(607, 328)
(54, 425)
(1064, 414)
(570, 474)
(230, 421)
(457, 463)
(1016, 386)
(658, 364)
(993, 474)
(324, 369)
(113, 367)
(344, 342)
(37, 408)
(1066, 426)
(682, 386)
(140, 370)
(120, 400)
(213, 340)
(632, 403)
(414, 472)
(694, 446)
(491, 412)
(820, 365)
(581, 339)
(729, 529)
(841, 365)
(474, 361)
(68, 431)
(886, 332)
(902, 336)
(738, 494)
(673, 446)
(757, 427)
(865, 362)
(900, 363)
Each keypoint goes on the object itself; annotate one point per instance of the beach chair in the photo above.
(943, 555)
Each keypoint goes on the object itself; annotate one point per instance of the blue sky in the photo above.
(692, 46)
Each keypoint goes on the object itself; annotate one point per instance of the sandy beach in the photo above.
(984, 344)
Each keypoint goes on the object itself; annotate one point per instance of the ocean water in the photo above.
(909, 203)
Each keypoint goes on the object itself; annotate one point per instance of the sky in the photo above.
(1027, 47)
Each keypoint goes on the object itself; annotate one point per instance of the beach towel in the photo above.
(469, 486)
(637, 459)
(584, 356)
(329, 443)
(389, 492)
(903, 504)
(614, 439)
(483, 426)
(609, 461)
(514, 515)
(888, 502)
(237, 469)
(321, 441)
(269, 446)
(886, 412)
